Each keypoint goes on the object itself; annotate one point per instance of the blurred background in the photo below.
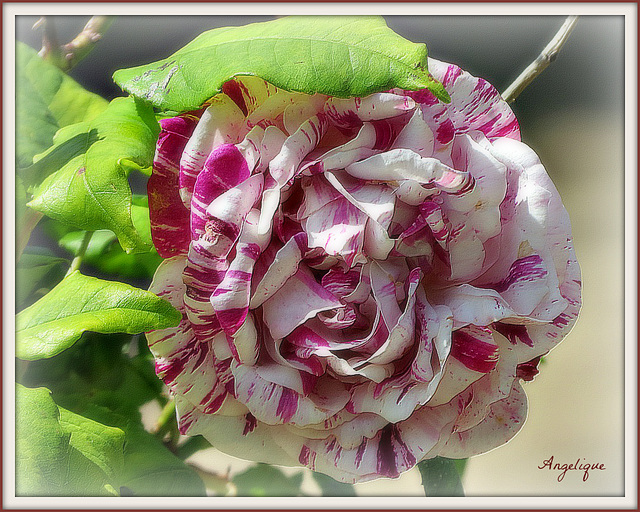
(573, 116)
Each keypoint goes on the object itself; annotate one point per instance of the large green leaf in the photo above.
(26, 218)
(59, 453)
(46, 100)
(86, 185)
(150, 469)
(101, 444)
(441, 477)
(80, 303)
(336, 55)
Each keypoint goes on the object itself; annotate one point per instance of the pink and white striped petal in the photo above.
(224, 169)
(475, 103)
(350, 111)
(302, 298)
(405, 164)
(417, 136)
(338, 228)
(284, 265)
(221, 123)
(168, 215)
(503, 421)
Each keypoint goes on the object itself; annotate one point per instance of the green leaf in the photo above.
(107, 256)
(41, 445)
(85, 185)
(336, 55)
(440, 477)
(331, 487)
(101, 444)
(68, 143)
(80, 303)
(265, 480)
(100, 370)
(36, 269)
(26, 218)
(150, 469)
(46, 100)
(59, 453)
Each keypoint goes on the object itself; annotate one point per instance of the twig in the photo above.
(68, 55)
(166, 418)
(51, 50)
(547, 56)
(84, 42)
(75, 263)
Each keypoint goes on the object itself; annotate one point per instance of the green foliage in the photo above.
(102, 370)
(104, 254)
(80, 303)
(150, 469)
(331, 487)
(85, 185)
(336, 55)
(266, 480)
(46, 100)
(100, 380)
(95, 453)
(26, 218)
(101, 444)
(37, 271)
(441, 477)
(59, 453)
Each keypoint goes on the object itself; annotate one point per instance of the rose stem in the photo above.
(68, 55)
(75, 263)
(545, 58)
(167, 416)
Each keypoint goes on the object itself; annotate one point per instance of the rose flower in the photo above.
(364, 282)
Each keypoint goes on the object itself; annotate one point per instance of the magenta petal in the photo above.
(475, 103)
(302, 297)
(169, 217)
(474, 347)
(223, 169)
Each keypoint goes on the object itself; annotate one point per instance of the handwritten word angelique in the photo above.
(578, 466)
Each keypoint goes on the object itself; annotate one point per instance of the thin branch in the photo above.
(51, 50)
(547, 56)
(85, 41)
(66, 56)
(75, 263)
